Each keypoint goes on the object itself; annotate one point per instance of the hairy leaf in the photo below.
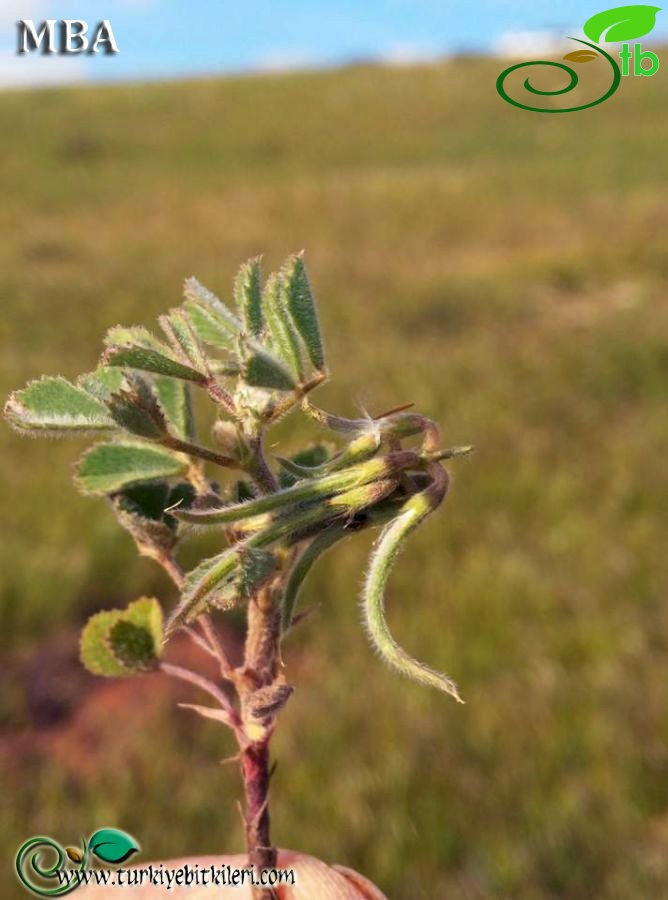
(119, 642)
(211, 329)
(136, 409)
(140, 510)
(94, 648)
(123, 641)
(248, 296)
(174, 397)
(283, 335)
(102, 382)
(183, 339)
(203, 297)
(201, 585)
(254, 568)
(148, 360)
(108, 468)
(54, 406)
(132, 645)
(302, 309)
(134, 336)
(261, 369)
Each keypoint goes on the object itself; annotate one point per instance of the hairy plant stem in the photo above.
(261, 667)
(257, 466)
(181, 446)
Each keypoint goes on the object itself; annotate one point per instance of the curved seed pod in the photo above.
(336, 423)
(350, 502)
(398, 424)
(413, 512)
(358, 450)
(213, 575)
(355, 476)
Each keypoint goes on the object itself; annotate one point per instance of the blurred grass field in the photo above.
(505, 271)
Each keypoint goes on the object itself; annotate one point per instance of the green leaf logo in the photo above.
(623, 23)
(112, 846)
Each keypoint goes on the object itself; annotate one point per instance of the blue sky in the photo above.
(174, 38)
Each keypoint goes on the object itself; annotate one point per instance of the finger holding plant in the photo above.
(256, 363)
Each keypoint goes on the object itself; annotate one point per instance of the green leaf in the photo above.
(261, 369)
(182, 494)
(147, 613)
(141, 511)
(211, 329)
(133, 336)
(102, 382)
(112, 846)
(302, 309)
(254, 568)
(148, 500)
(203, 297)
(148, 360)
(248, 296)
(132, 645)
(94, 648)
(136, 409)
(623, 23)
(183, 339)
(174, 397)
(108, 468)
(54, 406)
(201, 586)
(283, 335)
(122, 642)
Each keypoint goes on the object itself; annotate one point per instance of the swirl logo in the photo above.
(619, 25)
(62, 875)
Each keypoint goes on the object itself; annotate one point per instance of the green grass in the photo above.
(507, 273)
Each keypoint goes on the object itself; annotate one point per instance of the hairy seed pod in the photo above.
(412, 513)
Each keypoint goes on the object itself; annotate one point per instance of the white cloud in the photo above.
(286, 61)
(405, 53)
(14, 10)
(36, 70)
(529, 44)
(32, 69)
